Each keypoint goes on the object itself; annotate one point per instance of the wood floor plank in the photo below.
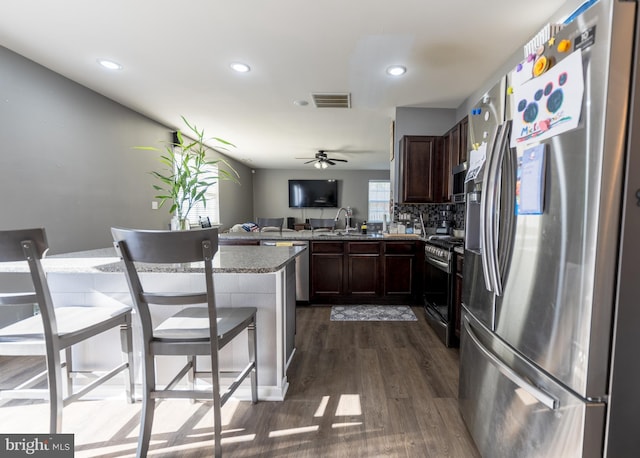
(357, 389)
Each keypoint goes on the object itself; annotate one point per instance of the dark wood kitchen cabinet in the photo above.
(421, 180)
(371, 271)
(464, 140)
(363, 269)
(327, 269)
(400, 268)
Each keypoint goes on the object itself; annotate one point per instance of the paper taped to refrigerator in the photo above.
(530, 183)
(476, 161)
(549, 104)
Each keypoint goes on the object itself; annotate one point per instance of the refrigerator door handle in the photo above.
(485, 215)
(550, 402)
(491, 192)
(505, 225)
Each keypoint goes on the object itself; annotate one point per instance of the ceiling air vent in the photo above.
(332, 100)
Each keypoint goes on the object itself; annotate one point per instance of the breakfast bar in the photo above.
(262, 277)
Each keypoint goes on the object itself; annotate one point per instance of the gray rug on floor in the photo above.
(372, 313)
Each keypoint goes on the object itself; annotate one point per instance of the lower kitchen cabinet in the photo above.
(326, 270)
(364, 271)
(399, 268)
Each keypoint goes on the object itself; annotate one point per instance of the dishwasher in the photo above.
(302, 267)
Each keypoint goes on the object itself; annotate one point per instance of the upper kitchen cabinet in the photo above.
(420, 172)
(454, 147)
(464, 140)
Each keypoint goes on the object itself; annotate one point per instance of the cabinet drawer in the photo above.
(327, 247)
(400, 247)
(363, 247)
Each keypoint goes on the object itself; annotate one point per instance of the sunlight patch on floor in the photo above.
(322, 407)
(349, 404)
(292, 431)
(346, 425)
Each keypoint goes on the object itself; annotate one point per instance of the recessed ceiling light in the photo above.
(301, 103)
(396, 70)
(240, 67)
(111, 65)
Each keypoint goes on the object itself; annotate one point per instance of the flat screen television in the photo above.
(313, 193)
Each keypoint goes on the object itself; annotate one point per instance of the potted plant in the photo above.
(188, 171)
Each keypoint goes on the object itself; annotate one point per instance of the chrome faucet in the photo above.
(348, 214)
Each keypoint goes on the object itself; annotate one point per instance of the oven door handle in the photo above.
(439, 264)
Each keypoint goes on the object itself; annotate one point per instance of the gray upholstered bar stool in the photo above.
(264, 223)
(55, 329)
(322, 223)
(191, 331)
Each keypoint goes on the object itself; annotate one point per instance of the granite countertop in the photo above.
(308, 235)
(459, 250)
(228, 259)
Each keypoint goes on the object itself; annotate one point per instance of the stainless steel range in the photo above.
(438, 286)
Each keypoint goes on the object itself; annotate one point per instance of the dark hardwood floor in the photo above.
(357, 389)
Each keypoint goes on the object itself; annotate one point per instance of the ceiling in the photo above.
(176, 59)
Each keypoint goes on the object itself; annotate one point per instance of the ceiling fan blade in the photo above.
(309, 162)
(339, 160)
(330, 161)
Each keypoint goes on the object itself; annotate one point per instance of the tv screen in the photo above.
(313, 193)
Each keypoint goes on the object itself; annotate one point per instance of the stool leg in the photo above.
(148, 405)
(251, 334)
(68, 366)
(126, 344)
(54, 378)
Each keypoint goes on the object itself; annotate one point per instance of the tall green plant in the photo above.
(187, 176)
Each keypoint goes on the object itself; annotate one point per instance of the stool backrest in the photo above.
(270, 222)
(30, 245)
(167, 247)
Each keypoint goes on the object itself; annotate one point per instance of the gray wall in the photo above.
(465, 107)
(67, 163)
(417, 121)
(271, 192)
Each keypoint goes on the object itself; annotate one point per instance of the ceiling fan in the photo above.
(322, 161)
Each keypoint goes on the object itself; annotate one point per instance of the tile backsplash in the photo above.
(430, 213)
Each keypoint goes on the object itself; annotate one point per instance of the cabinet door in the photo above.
(327, 269)
(418, 166)
(363, 269)
(400, 268)
(464, 140)
(446, 160)
(398, 275)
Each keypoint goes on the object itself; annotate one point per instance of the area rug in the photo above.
(372, 313)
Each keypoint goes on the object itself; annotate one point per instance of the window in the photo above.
(212, 210)
(379, 199)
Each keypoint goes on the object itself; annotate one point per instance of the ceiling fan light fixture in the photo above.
(324, 164)
(317, 165)
(396, 70)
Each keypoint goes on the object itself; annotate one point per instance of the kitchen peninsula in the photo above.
(262, 277)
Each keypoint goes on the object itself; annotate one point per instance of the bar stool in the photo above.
(55, 329)
(191, 331)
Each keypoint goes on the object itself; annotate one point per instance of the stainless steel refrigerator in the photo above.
(550, 339)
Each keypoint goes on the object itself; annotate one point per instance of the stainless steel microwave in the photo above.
(459, 172)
